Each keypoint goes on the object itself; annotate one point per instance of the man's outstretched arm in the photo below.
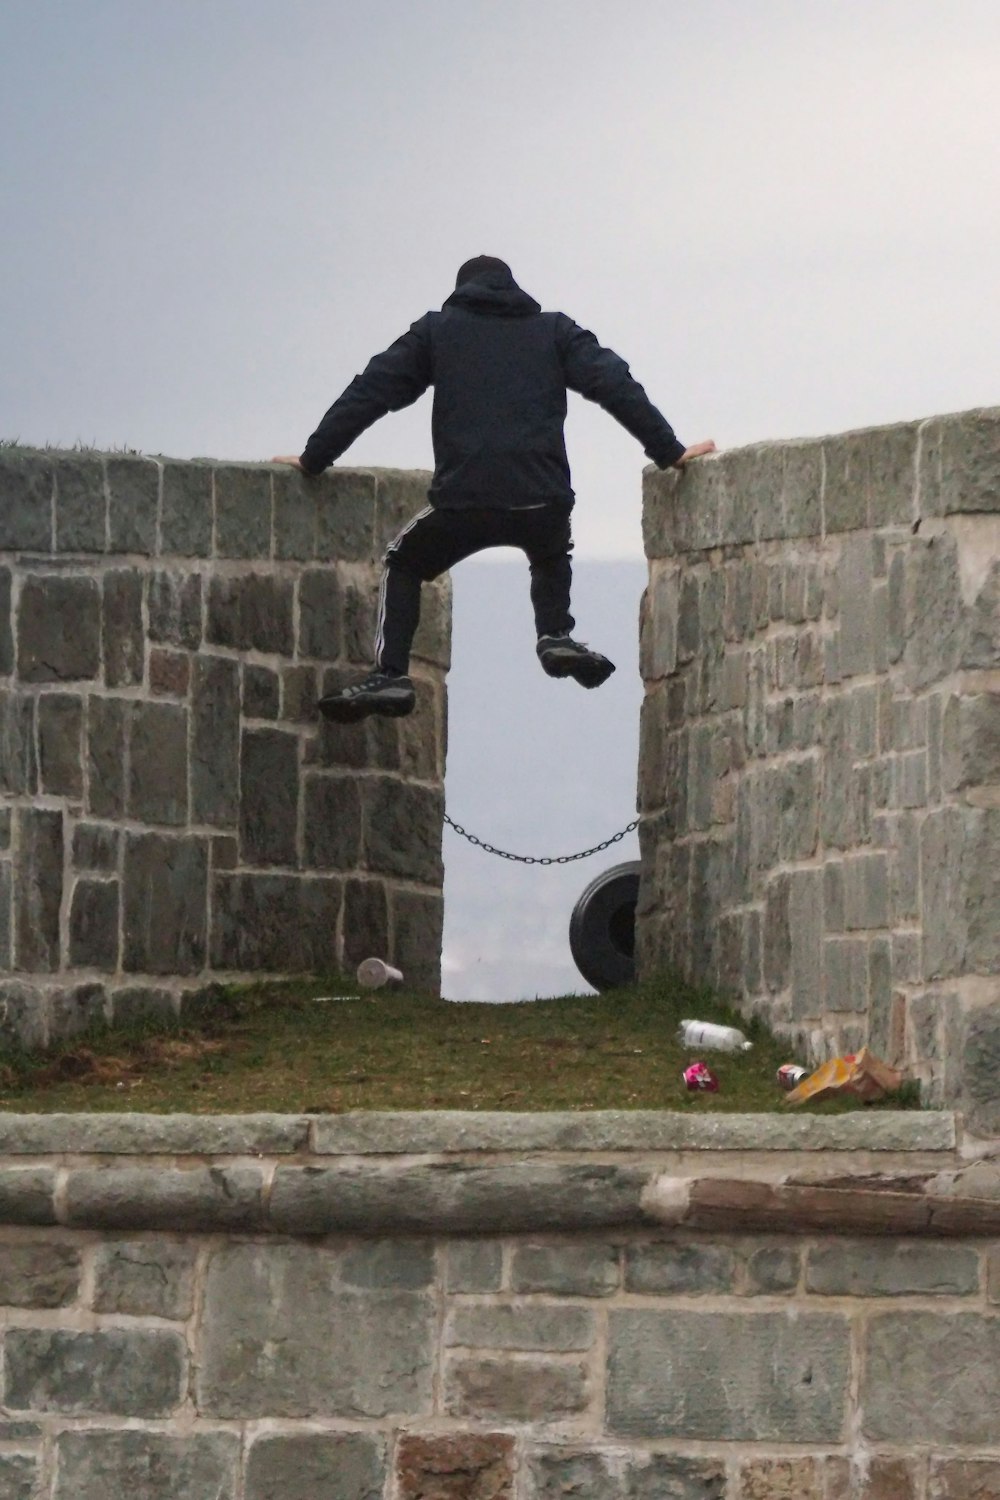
(390, 381)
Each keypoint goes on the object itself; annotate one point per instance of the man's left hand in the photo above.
(289, 458)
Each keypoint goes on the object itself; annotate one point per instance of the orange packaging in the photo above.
(863, 1075)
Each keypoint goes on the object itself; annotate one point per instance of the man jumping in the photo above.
(500, 368)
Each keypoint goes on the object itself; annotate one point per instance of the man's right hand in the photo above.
(697, 450)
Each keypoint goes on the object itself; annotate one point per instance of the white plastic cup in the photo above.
(373, 973)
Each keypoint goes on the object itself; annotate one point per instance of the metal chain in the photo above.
(532, 859)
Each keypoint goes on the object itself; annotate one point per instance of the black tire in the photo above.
(602, 927)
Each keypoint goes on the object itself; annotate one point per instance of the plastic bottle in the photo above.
(708, 1034)
(373, 973)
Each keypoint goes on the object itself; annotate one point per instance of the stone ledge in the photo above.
(149, 1135)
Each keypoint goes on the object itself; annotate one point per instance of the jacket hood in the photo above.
(495, 293)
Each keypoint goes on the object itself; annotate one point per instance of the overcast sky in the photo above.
(784, 213)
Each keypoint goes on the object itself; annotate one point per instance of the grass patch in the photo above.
(282, 1047)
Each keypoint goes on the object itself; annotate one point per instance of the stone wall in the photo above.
(171, 810)
(819, 773)
(461, 1307)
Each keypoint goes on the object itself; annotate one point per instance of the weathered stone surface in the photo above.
(936, 628)
(296, 505)
(671, 1374)
(944, 1366)
(664, 1476)
(80, 504)
(982, 636)
(59, 628)
(175, 608)
(242, 511)
(18, 758)
(6, 627)
(298, 694)
(333, 822)
(529, 1390)
(27, 1195)
(514, 1325)
(306, 1466)
(981, 879)
(474, 1266)
(678, 1268)
(215, 741)
(346, 516)
(283, 923)
(93, 1465)
(320, 624)
(971, 741)
(122, 634)
(28, 481)
(282, 1337)
(870, 1268)
(418, 923)
(145, 1135)
(130, 1372)
(261, 692)
(389, 1263)
(478, 1466)
(772, 1268)
(38, 1273)
(145, 1278)
(366, 920)
(6, 920)
(564, 1471)
(133, 490)
(95, 847)
(165, 893)
(194, 1198)
(251, 612)
(964, 1479)
(269, 768)
(186, 515)
(960, 463)
(93, 925)
(980, 1070)
(140, 1004)
(38, 888)
(72, 1011)
(158, 763)
(106, 720)
(18, 1476)
(60, 749)
(781, 1479)
(402, 830)
(589, 1269)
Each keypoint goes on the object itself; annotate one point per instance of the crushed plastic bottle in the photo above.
(708, 1034)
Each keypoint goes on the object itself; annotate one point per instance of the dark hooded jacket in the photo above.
(500, 368)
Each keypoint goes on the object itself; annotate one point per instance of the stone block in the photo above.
(945, 926)
(402, 829)
(94, 1464)
(970, 750)
(106, 725)
(186, 510)
(191, 1198)
(332, 822)
(296, 503)
(175, 604)
(261, 691)
(38, 1273)
(320, 614)
(242, 511)
(158, 763)
(128, 1372)
(95, 847)
(72, 1011)
(6, 623)
(679, 1268)
(400, 495)
(18, 1476)
(81, 504)
(845, 975)
(346, 514)
(525, 1326)
(432, 641)
(366, 921)
(133, 502)
(122, 631)
(269, 789)
(772, 1269)
(281, 923)
(166, 891)
(964, 1479)
(420, 758)
(781, 1479)
(169, 673)
(251, 612)
(385, 1264)
(27, 1195)
(22, 1012)
(960, 463)
(665, 1476)
(981, 646)
(18, 754)
(448, 1467)
(360, 605)
(936, 624)
(215, 741)
(857, 616)
(671, 1374)
(145, 1278)
(142, 1005)
(298, 694)
(777, 934)
(475, 1266)
(866, 892)
(871, 1268)
(60, 732)
(931, 1375)
(282, 1338)
(59, 628)
(587, 1269)
(38, 888)
(528, 1390)
(558, 1472)
(308, 1465)
(28, 482)
(802, 484)
(93, 925)
(6, 921)
(979, 1073)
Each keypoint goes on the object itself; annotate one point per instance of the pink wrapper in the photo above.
(699, 1079)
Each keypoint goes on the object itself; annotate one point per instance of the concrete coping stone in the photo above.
(455, 1132)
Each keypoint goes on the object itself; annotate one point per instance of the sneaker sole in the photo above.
(589, 672)
(339, 712)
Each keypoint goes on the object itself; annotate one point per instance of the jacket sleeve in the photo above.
(390, 381)
(604, 377)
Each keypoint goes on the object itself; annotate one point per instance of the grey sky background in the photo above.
(784, 213)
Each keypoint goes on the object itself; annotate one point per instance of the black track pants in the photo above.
(435, 540)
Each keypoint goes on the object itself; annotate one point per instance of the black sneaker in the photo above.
(378, 693)
(561, 656)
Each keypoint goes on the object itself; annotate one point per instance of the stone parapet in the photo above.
(167, 1332)
(172, 812)
(819, 778)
